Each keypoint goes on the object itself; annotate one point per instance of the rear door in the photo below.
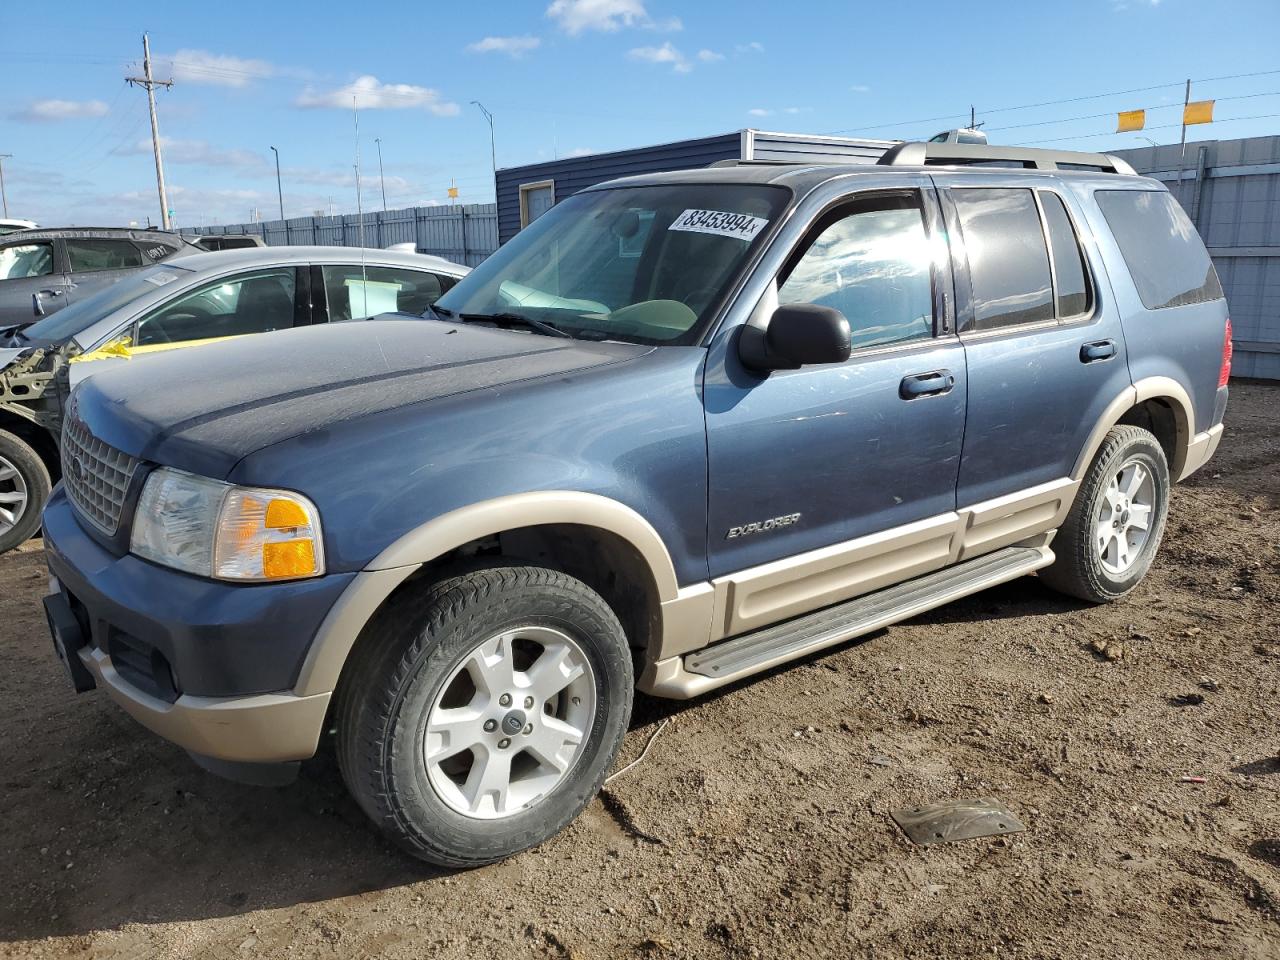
(98, 262)
(1040, 328)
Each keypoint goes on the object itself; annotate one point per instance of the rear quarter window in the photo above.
(1164, 254)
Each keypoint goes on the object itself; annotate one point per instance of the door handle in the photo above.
(1098, 350)
(932, 384)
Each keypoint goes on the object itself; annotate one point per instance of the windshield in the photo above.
(82, 313)
(641, 264)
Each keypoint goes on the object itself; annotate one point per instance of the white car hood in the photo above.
(8, 355)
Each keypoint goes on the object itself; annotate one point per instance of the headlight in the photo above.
(216, 529)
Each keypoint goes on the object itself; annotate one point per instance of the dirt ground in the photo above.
(758, 826)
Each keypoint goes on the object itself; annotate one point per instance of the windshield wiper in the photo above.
(500, 318)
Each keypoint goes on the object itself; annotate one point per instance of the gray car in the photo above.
(42, 271)
(182, 302)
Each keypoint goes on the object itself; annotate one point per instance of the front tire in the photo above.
(24, 490)
(479, 716)
(1110, 537)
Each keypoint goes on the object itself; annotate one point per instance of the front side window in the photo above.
(354, 292)
(873, 265)
(88, 255)
(641, 264)
(1008, 260)
(1164, 254)
(26, 260)
(231, 307)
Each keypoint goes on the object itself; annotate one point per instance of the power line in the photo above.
(1163, 126)
(1052, 103)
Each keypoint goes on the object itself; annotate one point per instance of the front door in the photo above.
(802, 462)
(30, 273)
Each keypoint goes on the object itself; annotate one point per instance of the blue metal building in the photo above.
(525, 193)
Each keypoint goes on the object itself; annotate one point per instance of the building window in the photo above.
(535, 200)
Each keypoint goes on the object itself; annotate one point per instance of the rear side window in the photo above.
(87, 255)
(1008, 260)
(1068, 262)
(1164, 254)
(357, 293)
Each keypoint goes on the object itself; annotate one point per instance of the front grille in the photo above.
(95, 474)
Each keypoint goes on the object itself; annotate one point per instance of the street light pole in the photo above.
(493, 150)
(381, 179)
(4, 197)
(279, 189)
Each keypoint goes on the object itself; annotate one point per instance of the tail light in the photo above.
(1225, 373)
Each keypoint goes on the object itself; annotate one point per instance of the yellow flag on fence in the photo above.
(1131, 120)
(1201, 111)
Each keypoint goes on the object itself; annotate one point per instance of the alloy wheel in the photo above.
(1125, 517)
(13, 496)
(510, 722)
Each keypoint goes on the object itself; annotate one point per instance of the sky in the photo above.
(566, 77)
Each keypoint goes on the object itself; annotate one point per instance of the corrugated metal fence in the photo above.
(1231, 191)
(465, 234)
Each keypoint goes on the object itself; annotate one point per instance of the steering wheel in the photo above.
(156, 332)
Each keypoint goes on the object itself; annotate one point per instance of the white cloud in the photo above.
(709, 56)
(368, 93)
(663, 54)
(860, 88)
(668, 25)
(215, 69)
(199, 153)
(52, 111)
(755, 46)
(769, 111)
(607, 16)
(512, 46)
(581, 152)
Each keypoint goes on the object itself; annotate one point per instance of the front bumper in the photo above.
(209, 666)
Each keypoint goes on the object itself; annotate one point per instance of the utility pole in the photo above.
(279, 191)
(4, 197)
(1182, 154)
(493, 150)
(150, 84)
(381, 178)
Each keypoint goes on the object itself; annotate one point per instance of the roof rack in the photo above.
(969, 154)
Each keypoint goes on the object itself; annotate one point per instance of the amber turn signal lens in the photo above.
(282, 514)
(288, 558)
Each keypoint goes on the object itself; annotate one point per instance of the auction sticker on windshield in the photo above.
(721, 224)
(160, 279)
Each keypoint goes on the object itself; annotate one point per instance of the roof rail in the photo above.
(961, 154)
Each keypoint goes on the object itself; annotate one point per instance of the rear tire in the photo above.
(479, 716)
(24, 490)
(1112, 533)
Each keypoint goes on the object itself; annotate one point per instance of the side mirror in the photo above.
(796, 335)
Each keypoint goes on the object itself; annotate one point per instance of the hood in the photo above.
(10, 354)
(205, 408)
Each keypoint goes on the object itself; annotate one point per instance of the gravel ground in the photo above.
(758, 825)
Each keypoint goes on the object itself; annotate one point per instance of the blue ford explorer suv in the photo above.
(683, 428)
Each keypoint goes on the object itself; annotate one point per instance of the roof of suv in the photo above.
(803, 177)
(125, 233)
(262, 256)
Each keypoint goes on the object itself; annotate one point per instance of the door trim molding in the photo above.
(756, 597)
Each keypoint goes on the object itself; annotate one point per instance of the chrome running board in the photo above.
(730, 660)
